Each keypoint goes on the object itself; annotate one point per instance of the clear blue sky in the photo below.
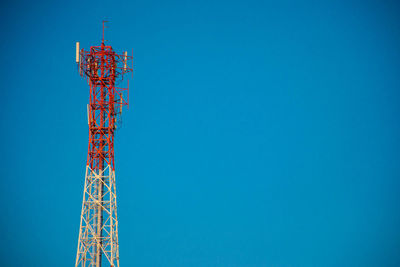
(261, 134)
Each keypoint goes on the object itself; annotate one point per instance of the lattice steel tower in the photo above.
(104, 69)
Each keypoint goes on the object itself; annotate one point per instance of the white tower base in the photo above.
(98, 232)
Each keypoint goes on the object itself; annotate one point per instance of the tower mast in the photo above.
(103, 69)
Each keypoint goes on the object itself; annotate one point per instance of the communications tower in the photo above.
(103, 69)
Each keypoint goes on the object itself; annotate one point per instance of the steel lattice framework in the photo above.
(98, 233)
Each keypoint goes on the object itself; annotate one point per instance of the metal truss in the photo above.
(99, 204)
(103, 68)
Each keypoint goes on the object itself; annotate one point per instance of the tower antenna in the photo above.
(102, 40)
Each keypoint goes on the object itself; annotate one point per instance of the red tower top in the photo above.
(104, 70)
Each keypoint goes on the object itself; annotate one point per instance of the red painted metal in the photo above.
(104, 69)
